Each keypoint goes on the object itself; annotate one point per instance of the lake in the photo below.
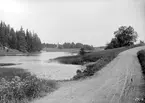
(39, 65)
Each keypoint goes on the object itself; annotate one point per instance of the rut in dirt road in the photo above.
(118, 82)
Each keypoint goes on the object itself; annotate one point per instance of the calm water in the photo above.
(40, 66)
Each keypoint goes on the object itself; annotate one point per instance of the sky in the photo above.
(87, 21)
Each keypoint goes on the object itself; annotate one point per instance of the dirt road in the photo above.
(118, 82)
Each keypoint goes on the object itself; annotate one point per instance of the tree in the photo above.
(79, 45)
(2, 34)
(28, 39)
(12, 39)
(142, 42)
(82, 51)
(88, 47)
(25, 42)
(36, 43)
(22, 44)
(124, 36)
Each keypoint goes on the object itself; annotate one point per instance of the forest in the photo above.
(22, 40)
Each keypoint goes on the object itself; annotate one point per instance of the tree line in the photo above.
(24, 41)
(68, 45)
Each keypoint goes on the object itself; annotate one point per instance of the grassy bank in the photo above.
(99, 59)
(8, 64)
(91, 57)
(141, 58)
(19, 86)
(14, 52)
(10, 52)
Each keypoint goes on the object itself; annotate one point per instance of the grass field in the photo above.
(19, 86)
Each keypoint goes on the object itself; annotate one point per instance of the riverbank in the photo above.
(122, 77)
(71, 50)
(11, 52)
(9, 64)
(141, 58)
(20, 86)
(93, 61)
(14, 52)
(75, 50)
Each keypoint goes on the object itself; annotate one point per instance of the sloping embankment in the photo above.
(118, 82)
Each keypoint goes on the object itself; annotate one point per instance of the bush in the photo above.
(82, 52)
(141, 57)
(79, 75)
(79, 71)
(19, 89)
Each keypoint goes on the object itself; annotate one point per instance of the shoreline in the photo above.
(74, 50)
(8, 64)
(18, 53)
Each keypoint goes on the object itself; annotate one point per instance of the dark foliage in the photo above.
(141, 57)
(142, 42)
(124, 36)
(20, 86)
(68, 46)
(76, 60)
(20, 40)
(47, 45)
(82, 52)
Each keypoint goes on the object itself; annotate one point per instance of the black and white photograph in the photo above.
(72, 51)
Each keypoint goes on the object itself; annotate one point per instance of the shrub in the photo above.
(79, 71)
(78, 75)
(82, 51)
(141, 57)
(18, 89)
